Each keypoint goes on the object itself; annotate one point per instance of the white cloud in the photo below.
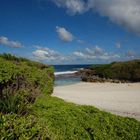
(80, 41)
(49, 55)
(9, 43)
(73, 6)
(87, 55)
(118, 45)
(45, 54)
(63, 34)
(122, 12)
(79, 54)
(130, 54)
(98, 50)
(95, 53)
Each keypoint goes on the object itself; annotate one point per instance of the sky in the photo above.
(71, 31)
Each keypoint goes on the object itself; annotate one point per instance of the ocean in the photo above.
(63, 74)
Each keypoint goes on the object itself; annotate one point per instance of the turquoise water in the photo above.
(67, 81)
(64, 74)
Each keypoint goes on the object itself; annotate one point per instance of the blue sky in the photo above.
(71, 31)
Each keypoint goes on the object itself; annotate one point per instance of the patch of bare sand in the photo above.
(120, 99)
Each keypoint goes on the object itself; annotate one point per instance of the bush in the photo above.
(119, 70)
(14, 127)
(23, 116)
(22, 82)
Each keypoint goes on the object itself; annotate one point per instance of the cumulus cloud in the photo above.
(64, 35)
(122, 12)
(73, 6)
(85, 55)
(88, 54)
(9, 43)
(45, 54)
(95, 53)
(48, 55)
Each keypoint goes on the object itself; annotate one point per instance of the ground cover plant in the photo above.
(28, 112)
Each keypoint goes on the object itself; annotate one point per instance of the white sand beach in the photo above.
(121, 99)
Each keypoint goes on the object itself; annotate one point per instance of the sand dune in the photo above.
(122, 99)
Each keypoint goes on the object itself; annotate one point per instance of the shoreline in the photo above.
(117, 98)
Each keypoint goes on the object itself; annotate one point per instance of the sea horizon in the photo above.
(70, 67)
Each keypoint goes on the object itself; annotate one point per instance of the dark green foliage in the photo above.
(119, 70)
(18, 60)
(12, 57)
(22, 82)
(52, 118)
(18, 103)
(71, 122)
(27, 112)
(14, 127)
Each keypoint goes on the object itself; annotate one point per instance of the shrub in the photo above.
(119, 70)
(22, 82)
(15, 127)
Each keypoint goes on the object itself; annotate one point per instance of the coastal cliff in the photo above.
(116, 72)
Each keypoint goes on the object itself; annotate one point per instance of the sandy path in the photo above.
(122, 99)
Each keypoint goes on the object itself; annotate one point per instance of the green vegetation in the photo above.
(27, 112)
(129, 70)
(21, 81)
(69, 121)
(52, 118)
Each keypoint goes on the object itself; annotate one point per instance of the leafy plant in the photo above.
(28, 112)
(22, 82)
(119, 70)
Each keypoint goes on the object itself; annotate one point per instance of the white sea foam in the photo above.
(64, 72)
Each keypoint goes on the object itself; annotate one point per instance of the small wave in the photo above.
(64, 72)
(77, 69)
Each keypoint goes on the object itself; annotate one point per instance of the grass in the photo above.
(50, 118)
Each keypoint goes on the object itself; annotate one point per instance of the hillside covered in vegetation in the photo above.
(28, 112)
(21, 81)
(124, 71)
